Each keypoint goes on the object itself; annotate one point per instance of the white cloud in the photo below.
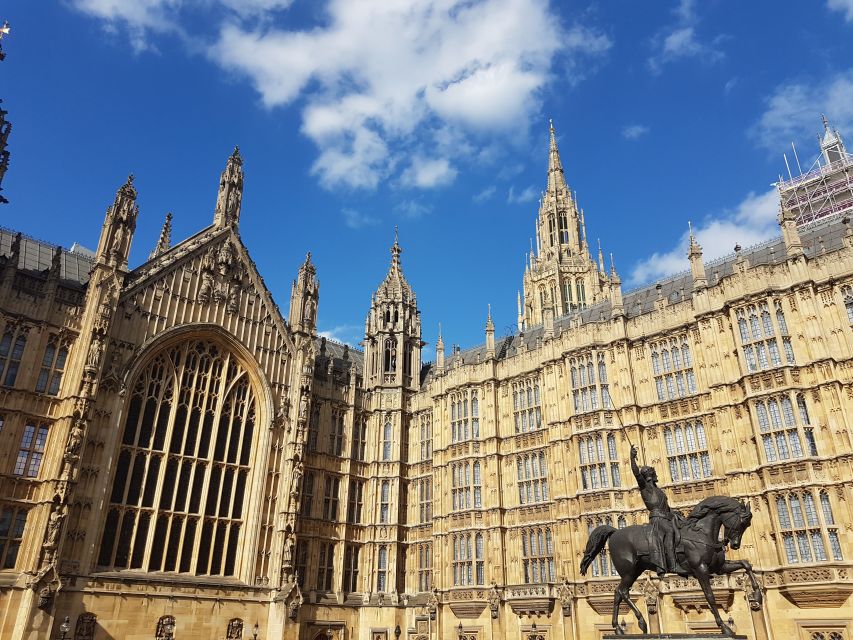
(793, 111)
(530, 194)
(844, 6)
(377, 81)
(752, 221)
(484, 195)
(345, 333)
(383, 79)
(730, 84)
(634, 131)
(142, 18)
(680, 40)
(412, 209)
(428, 172)
(355, 219)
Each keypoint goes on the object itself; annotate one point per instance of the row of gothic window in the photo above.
(463, 427)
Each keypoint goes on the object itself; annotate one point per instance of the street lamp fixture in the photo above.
(397, 632)
(64, 628)
(460, 629)
(255, 631)
(329, 633)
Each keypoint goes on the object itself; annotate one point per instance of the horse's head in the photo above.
(736, 522)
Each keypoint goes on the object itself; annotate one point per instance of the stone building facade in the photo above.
(179, 460)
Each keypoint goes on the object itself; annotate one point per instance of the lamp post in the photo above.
(64, 628)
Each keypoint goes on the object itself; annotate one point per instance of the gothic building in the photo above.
(179, 460)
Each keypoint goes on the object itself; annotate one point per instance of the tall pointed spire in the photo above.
(490, 335)
(230, 194)
(164, 242)
(600, 257)
(697, 267)
(556, 178)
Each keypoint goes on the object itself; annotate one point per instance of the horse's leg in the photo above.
(624, 594)
(614, 622)
(702, 575)
(730, 566)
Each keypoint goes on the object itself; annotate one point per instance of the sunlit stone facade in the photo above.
(180, 460)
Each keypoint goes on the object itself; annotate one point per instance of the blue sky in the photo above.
(355, 116)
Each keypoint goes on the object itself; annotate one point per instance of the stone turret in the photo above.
(305, 298)
(119, 226)
(697, 267)
(490, 335)
(392, 342)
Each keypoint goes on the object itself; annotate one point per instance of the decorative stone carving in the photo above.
(565, 594)
(234, 631)
(494, 601)
(221, 274)
(85, 628)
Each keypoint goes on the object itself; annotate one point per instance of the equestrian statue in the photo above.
(671, 543)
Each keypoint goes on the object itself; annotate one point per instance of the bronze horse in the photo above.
(700, 553)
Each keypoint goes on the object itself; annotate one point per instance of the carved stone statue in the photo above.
(75, 440)
(54, 525)
(93, 358)
(296, 481)
(494, 601)
(655, 546)
(565, 593)
(303, 407)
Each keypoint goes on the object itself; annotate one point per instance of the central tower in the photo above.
(560, 276)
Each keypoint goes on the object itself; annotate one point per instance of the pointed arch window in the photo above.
(178, 495)
(52, 367)
(783, 430)
(847, 294)
(390, 355)
(672, 368)
(386, 440)
(11, 351)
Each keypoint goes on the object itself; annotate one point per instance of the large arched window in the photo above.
(178, 495)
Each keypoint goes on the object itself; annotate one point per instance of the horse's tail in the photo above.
(597, 540)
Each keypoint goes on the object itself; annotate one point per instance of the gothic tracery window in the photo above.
(687, 451)
(785, 433)
(526, 405)
(532, 473)
(11, 351)
(52, 367)
(537, 551)
(807, 526)
(672, 368)
(599, 462)
(847, 294)
(586, 391)
(760, 339)
(177, 499)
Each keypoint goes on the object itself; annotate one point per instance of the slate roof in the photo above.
(822, 236)
(336, 351)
